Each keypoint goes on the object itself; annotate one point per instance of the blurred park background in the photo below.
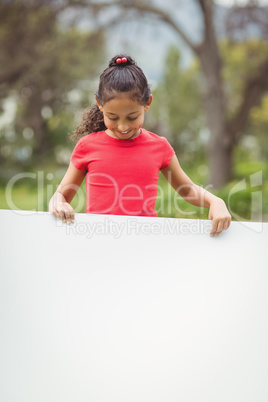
(206, 61)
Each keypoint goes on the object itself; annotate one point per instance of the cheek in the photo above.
(108, 123)
(138, 123)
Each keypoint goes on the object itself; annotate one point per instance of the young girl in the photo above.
(121, 160)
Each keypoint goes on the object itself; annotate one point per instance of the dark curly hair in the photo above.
(116, 78)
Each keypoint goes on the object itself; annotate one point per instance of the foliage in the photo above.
(176, 111)
(47, 70)
(241, 60)
(240, 22)
(259, 127)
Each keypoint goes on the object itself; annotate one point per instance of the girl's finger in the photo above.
(226, 224)
(61, 215)
(220, 226)
(69, 216)
(214, 227)
(55, 213)
(72, 216)
(67, 213)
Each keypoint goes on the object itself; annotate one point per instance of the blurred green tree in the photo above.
(249, 123)
(225, 130)
(48, 71)
(259, 126)
(177, 107)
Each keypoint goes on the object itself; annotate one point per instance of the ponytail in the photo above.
(122, 75)
(92, 121)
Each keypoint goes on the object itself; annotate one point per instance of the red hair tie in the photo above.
(123, 60)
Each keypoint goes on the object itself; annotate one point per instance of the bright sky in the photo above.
(232, 2)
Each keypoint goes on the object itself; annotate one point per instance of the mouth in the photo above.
(124, 132)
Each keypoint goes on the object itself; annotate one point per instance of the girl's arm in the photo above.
(59, 204)
(198, 196)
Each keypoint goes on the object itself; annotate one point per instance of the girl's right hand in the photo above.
(62, 210)
(59, 203)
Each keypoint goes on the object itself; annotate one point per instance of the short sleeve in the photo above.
(167, 154)
(79, 156)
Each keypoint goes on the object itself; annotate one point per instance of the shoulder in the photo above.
(88, 138)
(155, 137)
(157, 140)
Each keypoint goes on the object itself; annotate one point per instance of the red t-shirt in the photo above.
(122, 175)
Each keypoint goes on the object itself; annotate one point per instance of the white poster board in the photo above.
(128, 309)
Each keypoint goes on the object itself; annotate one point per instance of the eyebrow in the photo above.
(127, 115)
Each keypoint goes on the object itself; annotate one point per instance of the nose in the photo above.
(122, 127)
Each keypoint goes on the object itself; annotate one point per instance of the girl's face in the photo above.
(123, 117)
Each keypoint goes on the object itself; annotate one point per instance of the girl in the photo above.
(121, 160)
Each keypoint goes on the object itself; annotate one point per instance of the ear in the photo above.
(98, 103)
(148, 103)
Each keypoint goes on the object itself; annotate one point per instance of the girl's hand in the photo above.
(221, 218)
(59, 203)
(62, 210)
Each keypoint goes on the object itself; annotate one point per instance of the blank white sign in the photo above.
(132, 309)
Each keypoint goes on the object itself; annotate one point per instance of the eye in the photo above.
(128, 118)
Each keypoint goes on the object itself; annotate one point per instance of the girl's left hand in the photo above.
(221, 218)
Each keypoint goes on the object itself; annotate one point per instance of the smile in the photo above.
(124, 132)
